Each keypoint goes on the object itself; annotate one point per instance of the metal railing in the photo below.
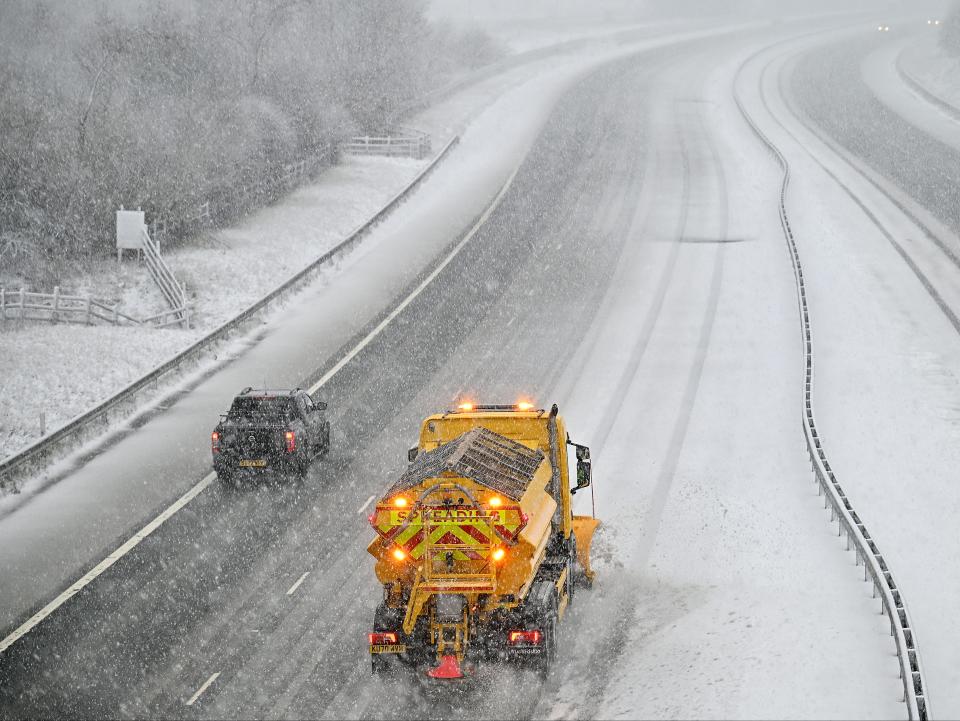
(94, 421)
(875, 568)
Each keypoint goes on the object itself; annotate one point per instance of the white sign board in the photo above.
(131, 225)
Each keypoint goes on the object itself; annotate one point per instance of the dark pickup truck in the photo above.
(270, 430)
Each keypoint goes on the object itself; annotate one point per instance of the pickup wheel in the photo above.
(302, 467)
(323, 444)
(379, 665)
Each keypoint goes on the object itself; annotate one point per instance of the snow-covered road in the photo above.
(636, 274)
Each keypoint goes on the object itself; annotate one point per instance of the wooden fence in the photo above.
(408, 143)
(59, 308)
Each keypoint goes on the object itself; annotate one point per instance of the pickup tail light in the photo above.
(215, 442)
(525, 638)
(382, 638)
(290, 438)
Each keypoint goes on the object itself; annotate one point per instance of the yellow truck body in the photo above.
(477, 547)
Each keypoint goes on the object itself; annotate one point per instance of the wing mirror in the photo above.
(584, 468)
(412, 454)
(320, 405)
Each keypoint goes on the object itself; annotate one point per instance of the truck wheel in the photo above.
(548, 626)
(379, 665)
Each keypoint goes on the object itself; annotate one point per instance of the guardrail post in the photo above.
(23, 304)
(3, 305)
(89, 321)
(56, 303)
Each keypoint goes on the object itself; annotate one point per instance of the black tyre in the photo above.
(325, 439)
(226, 477)
(547, 623)
(301, 466)
(379, 665)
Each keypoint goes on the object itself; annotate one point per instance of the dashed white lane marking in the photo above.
(365, 504)
(293, 589)
(106, 563)
(30, 623)
(206, 685)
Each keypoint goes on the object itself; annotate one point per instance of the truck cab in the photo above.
(477, 547)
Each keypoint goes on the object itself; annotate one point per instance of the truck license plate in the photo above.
(388, 648)
(258, 463)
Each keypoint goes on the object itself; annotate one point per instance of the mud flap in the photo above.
(583, 529)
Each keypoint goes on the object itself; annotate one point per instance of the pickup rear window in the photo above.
(259, 410)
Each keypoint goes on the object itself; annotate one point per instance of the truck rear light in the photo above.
(380, 638)
(525, 638)
(399, 554)
(215, 442)
(291, 440)
(497, 554)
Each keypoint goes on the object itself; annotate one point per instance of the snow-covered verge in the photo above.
(926, 63)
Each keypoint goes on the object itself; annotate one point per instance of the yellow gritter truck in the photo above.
(477, 547)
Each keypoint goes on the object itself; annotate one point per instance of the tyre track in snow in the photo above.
(627, 599)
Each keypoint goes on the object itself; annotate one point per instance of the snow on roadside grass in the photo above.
(63, 370)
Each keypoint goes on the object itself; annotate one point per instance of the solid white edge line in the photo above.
(365, 504)
(206, 685)
(90, 575)
(134, 541)
(418, 290)
(293, 589)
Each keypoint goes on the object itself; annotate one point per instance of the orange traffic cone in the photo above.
(449, 668)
